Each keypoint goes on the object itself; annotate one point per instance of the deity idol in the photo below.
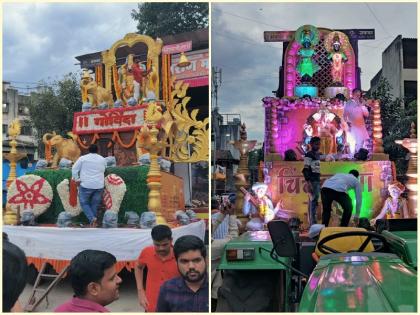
(308, 37)
(132, 78)
(335, 44)
(259, 208)
(395, 206)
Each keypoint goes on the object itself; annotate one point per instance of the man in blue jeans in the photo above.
(89, 171)
(311, 172)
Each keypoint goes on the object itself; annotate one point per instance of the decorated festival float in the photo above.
(281, 266)
(319, 75)
(137, 114)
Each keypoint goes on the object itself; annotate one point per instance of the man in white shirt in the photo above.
(354, 115)
(335, 189)
(89, 171)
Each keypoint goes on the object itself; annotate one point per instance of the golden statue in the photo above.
(65, 148)
(93, 93)
(152, 80)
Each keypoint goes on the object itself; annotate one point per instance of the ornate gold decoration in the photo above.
(154, 48)
(187, 137)
(411, 145)
(171, 134)
(13, 156)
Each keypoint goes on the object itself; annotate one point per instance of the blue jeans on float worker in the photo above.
(90, 200)
(313, 202)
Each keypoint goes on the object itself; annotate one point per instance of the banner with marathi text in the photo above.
(286, 183)
(109, 120)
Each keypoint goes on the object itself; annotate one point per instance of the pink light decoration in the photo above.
(291, 68)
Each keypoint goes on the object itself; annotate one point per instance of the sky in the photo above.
(41, 40)
(250, 66)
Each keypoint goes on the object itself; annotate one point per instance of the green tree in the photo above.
(157, 19)
(52, 108)
(396, 121)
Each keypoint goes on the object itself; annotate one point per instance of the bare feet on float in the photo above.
(94, 223)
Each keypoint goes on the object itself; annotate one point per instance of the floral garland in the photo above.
(30, 192)
(114, 192)
(64, 194)
(115, 137)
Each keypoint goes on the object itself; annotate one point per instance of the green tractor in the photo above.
(345, 270)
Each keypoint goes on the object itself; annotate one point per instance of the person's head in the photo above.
(341, 97)
(15, 269)
(214, 203)
(307, 97)
(315, 143)
(93, 148)
(354, 173)
(232, 198)
(290, 155)
(93, 276)
(190, 254)
(365, 223)
(259, 189)
(162, 239)
(395, 189)
(362, 154)
(357, 93)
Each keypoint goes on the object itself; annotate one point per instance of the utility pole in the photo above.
(216, 82)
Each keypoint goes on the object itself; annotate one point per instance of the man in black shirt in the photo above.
(311, 172)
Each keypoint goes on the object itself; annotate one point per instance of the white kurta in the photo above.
(355, 113)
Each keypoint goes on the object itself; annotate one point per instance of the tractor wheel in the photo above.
(248, 291)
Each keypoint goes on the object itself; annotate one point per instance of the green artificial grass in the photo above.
(135, 198)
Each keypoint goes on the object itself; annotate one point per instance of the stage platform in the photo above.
(58, 246)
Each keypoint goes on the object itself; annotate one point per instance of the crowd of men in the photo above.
(177, 278)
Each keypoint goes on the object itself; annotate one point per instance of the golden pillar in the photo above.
(378, 149)
(14, 155)
(411, 145)
(149, 141)
(241, 177)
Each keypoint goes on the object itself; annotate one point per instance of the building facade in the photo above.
(225, 158)
(14, 107)
(399, 68)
